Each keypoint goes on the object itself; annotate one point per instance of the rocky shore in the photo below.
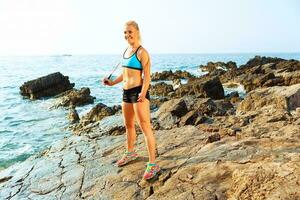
(211, 145)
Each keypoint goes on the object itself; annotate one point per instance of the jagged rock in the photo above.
(258, 80)
(169, 75)
(223, 107)
(193, 117)
(74, 98)
(189, 111)
(176, 83)
(99, 112)
(73, 115)
(280, 97)
(92, 119)
(202, 88)
(291, 78)
(215, 67)
(46, 86)
(169, 113)
(161, 89)
(258, 60)
(157, 102)
(213, 138)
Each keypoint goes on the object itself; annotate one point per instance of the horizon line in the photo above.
(174, 53)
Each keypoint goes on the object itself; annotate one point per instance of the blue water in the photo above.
(27, 127)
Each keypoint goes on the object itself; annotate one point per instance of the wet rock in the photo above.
(74, 98)
(176, 83)
(46, 86)
(218, 68)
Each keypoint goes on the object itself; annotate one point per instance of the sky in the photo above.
(54, 27)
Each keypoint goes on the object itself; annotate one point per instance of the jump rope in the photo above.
(116, 67)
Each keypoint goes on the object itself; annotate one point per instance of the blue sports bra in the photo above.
(132, 62)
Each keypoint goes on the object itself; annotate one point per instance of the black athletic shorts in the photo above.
(131, 95)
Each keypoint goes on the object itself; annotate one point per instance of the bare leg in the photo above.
(128, 116)
(142, 113)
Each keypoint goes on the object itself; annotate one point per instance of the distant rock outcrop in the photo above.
(46, 86)
(169, 75)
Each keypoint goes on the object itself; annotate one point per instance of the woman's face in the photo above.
(130, 34)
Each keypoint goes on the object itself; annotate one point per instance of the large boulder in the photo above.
(161, 89)
(93, 118)
(75, 98)
(210, 87)
(46, 86)
(100, 111)
(278, 97)
(170, 112)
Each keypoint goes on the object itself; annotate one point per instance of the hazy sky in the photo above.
(167, 26)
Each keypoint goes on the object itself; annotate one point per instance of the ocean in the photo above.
(28, 127)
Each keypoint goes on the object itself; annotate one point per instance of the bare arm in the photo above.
(118, 79)
(146, 63)
(113, 82)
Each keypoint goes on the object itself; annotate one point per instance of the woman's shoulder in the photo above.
(142, 52)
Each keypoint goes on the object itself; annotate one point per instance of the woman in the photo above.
(136, 98)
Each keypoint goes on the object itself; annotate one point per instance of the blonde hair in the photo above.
(136, 26)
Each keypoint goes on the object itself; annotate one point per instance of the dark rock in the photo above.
(194, 117)
(273, 82)
(161, 89)
(99, 112)
(211, 87)
(156, 102)
(254, 81)
(223, 106)
(218, 68)
(288, 66)
(75, 98)
(169, 75)
(170, 112)
(232, 94)
(258, 60)
(46, 86)
(213, 138)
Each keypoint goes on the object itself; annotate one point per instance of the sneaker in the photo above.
(151, 171)
(127, 157)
